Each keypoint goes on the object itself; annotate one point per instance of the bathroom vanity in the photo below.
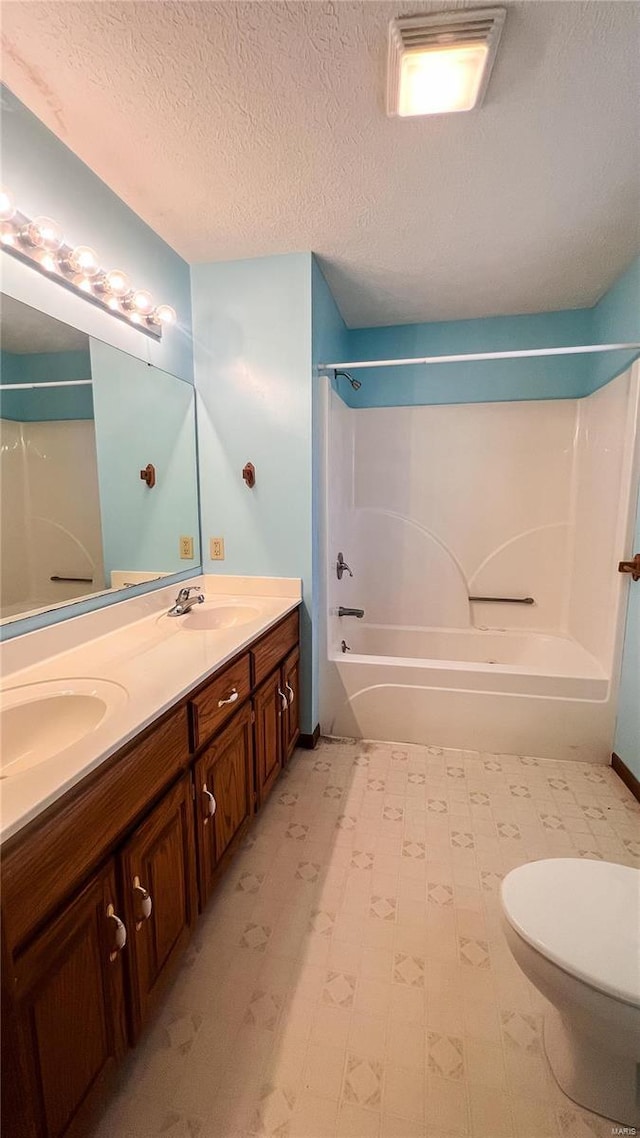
(102, 888)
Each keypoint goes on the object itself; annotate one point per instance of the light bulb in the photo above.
(142, 301)
(7, 233)
(83, 260)
(43, 233)
(46, 260)
(7, 205)
(114, 304)
(82, 282)
(164, 314)
(135, 317)
(117, 283)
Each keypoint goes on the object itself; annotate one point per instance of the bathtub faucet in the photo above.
(351, 612)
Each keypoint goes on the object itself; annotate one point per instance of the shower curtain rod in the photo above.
(527, 353)
(37, 386)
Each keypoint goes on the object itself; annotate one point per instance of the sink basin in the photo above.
(40, 721)
(218, 616)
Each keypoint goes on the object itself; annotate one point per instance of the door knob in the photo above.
(632, 567)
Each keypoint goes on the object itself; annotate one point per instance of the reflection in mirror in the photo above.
(144, 416)
(79, 420)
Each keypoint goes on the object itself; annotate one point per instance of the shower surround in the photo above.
(433, 504)
(48, 528)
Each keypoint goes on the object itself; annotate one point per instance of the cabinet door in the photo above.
(291, 688)
(269, 703)
(223, 777)
(69, 995)
(158, 876)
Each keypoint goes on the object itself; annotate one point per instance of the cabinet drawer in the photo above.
(46, 863)
(215, 703)
(273, 647)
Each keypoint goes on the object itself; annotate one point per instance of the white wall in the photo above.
(432, 503)
(50, 512)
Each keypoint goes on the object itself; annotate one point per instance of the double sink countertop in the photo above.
(133, 656)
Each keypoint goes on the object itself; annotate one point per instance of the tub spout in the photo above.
(351, 612)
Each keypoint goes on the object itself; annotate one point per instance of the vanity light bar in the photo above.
(40, 242)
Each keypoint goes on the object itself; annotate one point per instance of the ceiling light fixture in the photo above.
(441, 63)
(39, 242)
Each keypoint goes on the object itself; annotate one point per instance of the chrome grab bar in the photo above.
(89, 580)
(506, 600)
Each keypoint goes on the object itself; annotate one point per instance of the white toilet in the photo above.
(573, 926)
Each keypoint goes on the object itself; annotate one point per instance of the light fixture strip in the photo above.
(39, 242)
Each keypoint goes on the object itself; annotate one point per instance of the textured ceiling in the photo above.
(243, 129)
(24, 330)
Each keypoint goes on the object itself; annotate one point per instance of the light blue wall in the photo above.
(627, 738)
(615, 319)
(252, 344)
(51, 402)
(144, 415)
(45, 177)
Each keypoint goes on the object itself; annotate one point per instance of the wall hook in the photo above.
(249, 474)
(148, 475)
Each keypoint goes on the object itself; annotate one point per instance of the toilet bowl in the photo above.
(573, 926)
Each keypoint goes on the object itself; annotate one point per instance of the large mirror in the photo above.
(79, 422)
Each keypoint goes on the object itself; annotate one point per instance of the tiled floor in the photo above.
(351, 976)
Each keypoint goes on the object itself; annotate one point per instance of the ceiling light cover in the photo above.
(441, 63)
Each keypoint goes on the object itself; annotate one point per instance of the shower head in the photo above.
(355, 383)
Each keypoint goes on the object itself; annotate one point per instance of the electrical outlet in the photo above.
(216, 548)
(186, 548)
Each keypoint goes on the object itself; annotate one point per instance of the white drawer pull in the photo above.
(230, 699)
(284, 700)
(120, 933)
(211, 804)
(292, 695)
(145, 904)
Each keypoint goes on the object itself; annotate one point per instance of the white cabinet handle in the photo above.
(291, 693)
(120, 933)
(230, 699)
(211, 804)
(284, 700)
(145, 904)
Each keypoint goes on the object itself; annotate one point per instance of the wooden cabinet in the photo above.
(217, 701)
(269, 704)
(158, 883)
(272, 648)
(100, 892)
(52, 857)
(291, 717)
(69, 996)
(223, 782)
(277, 722)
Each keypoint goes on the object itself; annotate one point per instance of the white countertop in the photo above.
(154, 658)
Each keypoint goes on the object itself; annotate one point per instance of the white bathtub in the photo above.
(510, 692)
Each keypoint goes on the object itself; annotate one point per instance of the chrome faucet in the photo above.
(185, 602)
(351, 612)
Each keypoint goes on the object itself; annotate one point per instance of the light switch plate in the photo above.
(186, 549)
(216, 548)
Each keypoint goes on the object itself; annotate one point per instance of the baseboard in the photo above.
(627, 776)
(310, 741)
